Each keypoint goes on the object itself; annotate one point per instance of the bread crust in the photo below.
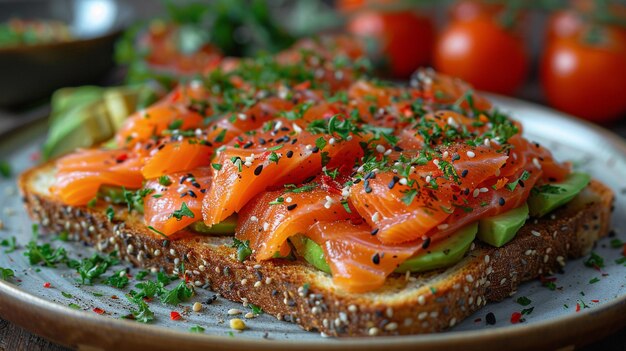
(294, 291)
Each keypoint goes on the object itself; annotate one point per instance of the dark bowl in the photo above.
(33, 72)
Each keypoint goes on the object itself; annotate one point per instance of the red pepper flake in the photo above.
(515, 317)
(577, 307)
(595, 301)
(98, 310)
(114, 297)
(121, 158)
(175, 316)
(624, 250)
(478, 320)
(47, 285)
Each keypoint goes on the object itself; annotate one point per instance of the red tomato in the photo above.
(563, 24)
(587, 79)
(403, 39)
(484, 54)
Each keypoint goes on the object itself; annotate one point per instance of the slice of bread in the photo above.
(295, 291)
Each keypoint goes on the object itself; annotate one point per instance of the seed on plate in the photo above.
(197, 307)
(234, 311)
(237, 324)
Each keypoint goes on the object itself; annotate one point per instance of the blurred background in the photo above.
(570, 54)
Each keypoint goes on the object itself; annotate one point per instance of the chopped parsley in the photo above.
(6, 273)
(45, 254)
(292, 188)
(110, 213)
(91, 268)
(182, 292)
(243, 249)
(10, 244)
(165, 180)
(594, 261)
(524, 301)
(142, 314)
(523, 177)
(184, 211)
(255, 309)
(196, 329)
(5, 169)
(119, 279)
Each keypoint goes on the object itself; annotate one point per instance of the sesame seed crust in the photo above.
(298, 293)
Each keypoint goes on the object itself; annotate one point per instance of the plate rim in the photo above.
(43, 317)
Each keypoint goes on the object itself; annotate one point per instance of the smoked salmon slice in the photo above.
(175, 200)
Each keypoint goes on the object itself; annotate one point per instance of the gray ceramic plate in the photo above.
(554, 322)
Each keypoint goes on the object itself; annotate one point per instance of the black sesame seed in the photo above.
(374, 231)
(247, 145)
(262, 141)
(370, 175)
(315, 150)
(490, 318)
(367, 187)
(464, 173)
(521, 183)
(258, 170)
(397, 148)
(426, 243)
(501, 201)
(289, 154)
(292, 207)
(393, 182)
(294, 141)
(376, 258)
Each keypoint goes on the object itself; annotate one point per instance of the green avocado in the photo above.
(499, 230)
(442, 254)
(226, 227)
(87, 115)
(546, 198)
(310, 251)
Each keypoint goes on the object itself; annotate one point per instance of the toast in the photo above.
(296, 292)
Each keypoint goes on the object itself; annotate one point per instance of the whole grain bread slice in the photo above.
(294, 291)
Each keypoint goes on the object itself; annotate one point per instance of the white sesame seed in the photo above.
(391, 326)
(445, 154)
(288, 199)
(375, 217)
(471, 154)
(201, 268)
(528, 252)
(452, 322)
(428, 178)
(249, 315)
(244, 281)
(331, 141)
(380, 148)
(403, 181)
(130, 248)
(536, 163)
(546, 258)
(421, 300)
(266, 226)
(373, 331)
(157, 252)
(388, 152)
(469, 278)
(197, 307)
(172, 252)
(443, 226)
(487, 258)
(436, 162)
(352, 308)
(484, 190)
(176, 261)
(257, 284)
(197, 283)
(476, 192)
(234, 311)
(422, 316)
(535, 233)
(254, 219)
(268, 281)
(297, 128)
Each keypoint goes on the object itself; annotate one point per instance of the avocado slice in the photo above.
(115, 195)
(442, 254)
(547, 198)
(310, 251)
(226, 227)
(499, 230)
(121, 102)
